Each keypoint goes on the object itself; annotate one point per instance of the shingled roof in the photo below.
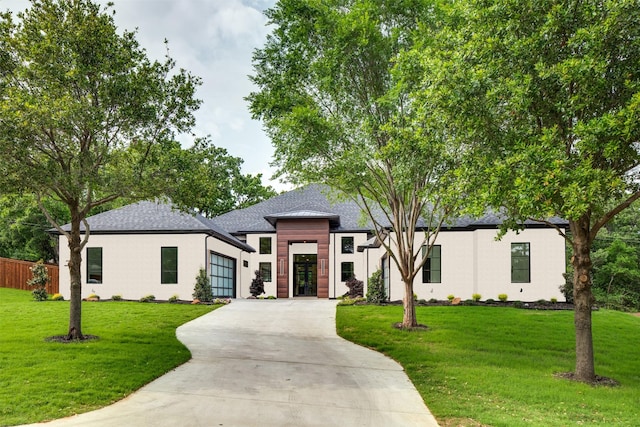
(320, 201)
(154, 217)
(314, 200)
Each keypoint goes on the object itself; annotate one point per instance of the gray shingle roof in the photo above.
(155, 217)
(312, 199)
(318, 199)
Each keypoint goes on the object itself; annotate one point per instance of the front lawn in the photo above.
(45, 380)
(495, 366)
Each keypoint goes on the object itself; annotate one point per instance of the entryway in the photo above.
(305, 275)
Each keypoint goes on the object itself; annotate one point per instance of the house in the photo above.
(306, 245)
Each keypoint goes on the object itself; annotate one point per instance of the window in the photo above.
(520, 263)
(265, 271)
(347, 245)
(346, 271)
(223, 276)
(265, 245)
(169, 265)
(432, 268)
(94, 265)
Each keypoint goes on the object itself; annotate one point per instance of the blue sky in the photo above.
(213, 39)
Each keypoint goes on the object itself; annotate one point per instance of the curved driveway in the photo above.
(270, 363)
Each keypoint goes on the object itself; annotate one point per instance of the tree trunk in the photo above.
(583, 299)
(409, 317)
(75, 260)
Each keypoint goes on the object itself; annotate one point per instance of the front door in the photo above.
(305, 275)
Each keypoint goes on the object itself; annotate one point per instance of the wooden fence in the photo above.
(15, 274)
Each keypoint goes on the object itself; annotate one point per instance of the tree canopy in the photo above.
(83, 114)
(546, 94)
(337, 112)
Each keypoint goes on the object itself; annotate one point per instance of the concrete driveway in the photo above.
(270, 363)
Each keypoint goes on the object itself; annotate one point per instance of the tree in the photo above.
(546, 94)
(211, 181)
(84, 113)
(337, 114)
(23, 228)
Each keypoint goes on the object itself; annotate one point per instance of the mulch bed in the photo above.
(63, 339)
(599, 381)
(535, 305)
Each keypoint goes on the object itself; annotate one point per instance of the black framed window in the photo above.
(520, 263)
(346, 271)
(169, 265)
(94, 265)
(432, 268)
(265, 245)
(347, 245)
(265, 271)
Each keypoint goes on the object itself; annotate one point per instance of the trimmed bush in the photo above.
(502, 297)
(148, 298)
(375, 288)
(257, 285)
(39, 281)
(116, 297)
(451, 297)
(356, 288)
(173, 299)
(476, 297)
(57, 297)
(202, 290)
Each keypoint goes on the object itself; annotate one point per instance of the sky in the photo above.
(215, 40)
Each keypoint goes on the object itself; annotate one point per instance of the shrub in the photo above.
(433, 300)
(490, 301)
(173, 299)
(356, 288)
(415, 297)
(257, 284)
(57, 297)
(350, 301)
(271, 297)
(476, 297)
(147, 298)
(39, 281)
(553, 300)
(542, 302)
(93, 297)
(202, 290)
(518, 304)
(451, 297)
(376, 293)
(567, 287)
(422, 301)
(502, 297)
(116, 297)
(222, 301)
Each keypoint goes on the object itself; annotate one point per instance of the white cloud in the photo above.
(213, 39)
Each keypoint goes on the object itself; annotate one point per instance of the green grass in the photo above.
(495, 366)
(42, 380)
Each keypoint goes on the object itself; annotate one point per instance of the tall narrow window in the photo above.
(346, 271)
(265, 245)
(520, 263)
(347, 245)
(265, 271)
(169, 265)
(94, 265)
(432, 269)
